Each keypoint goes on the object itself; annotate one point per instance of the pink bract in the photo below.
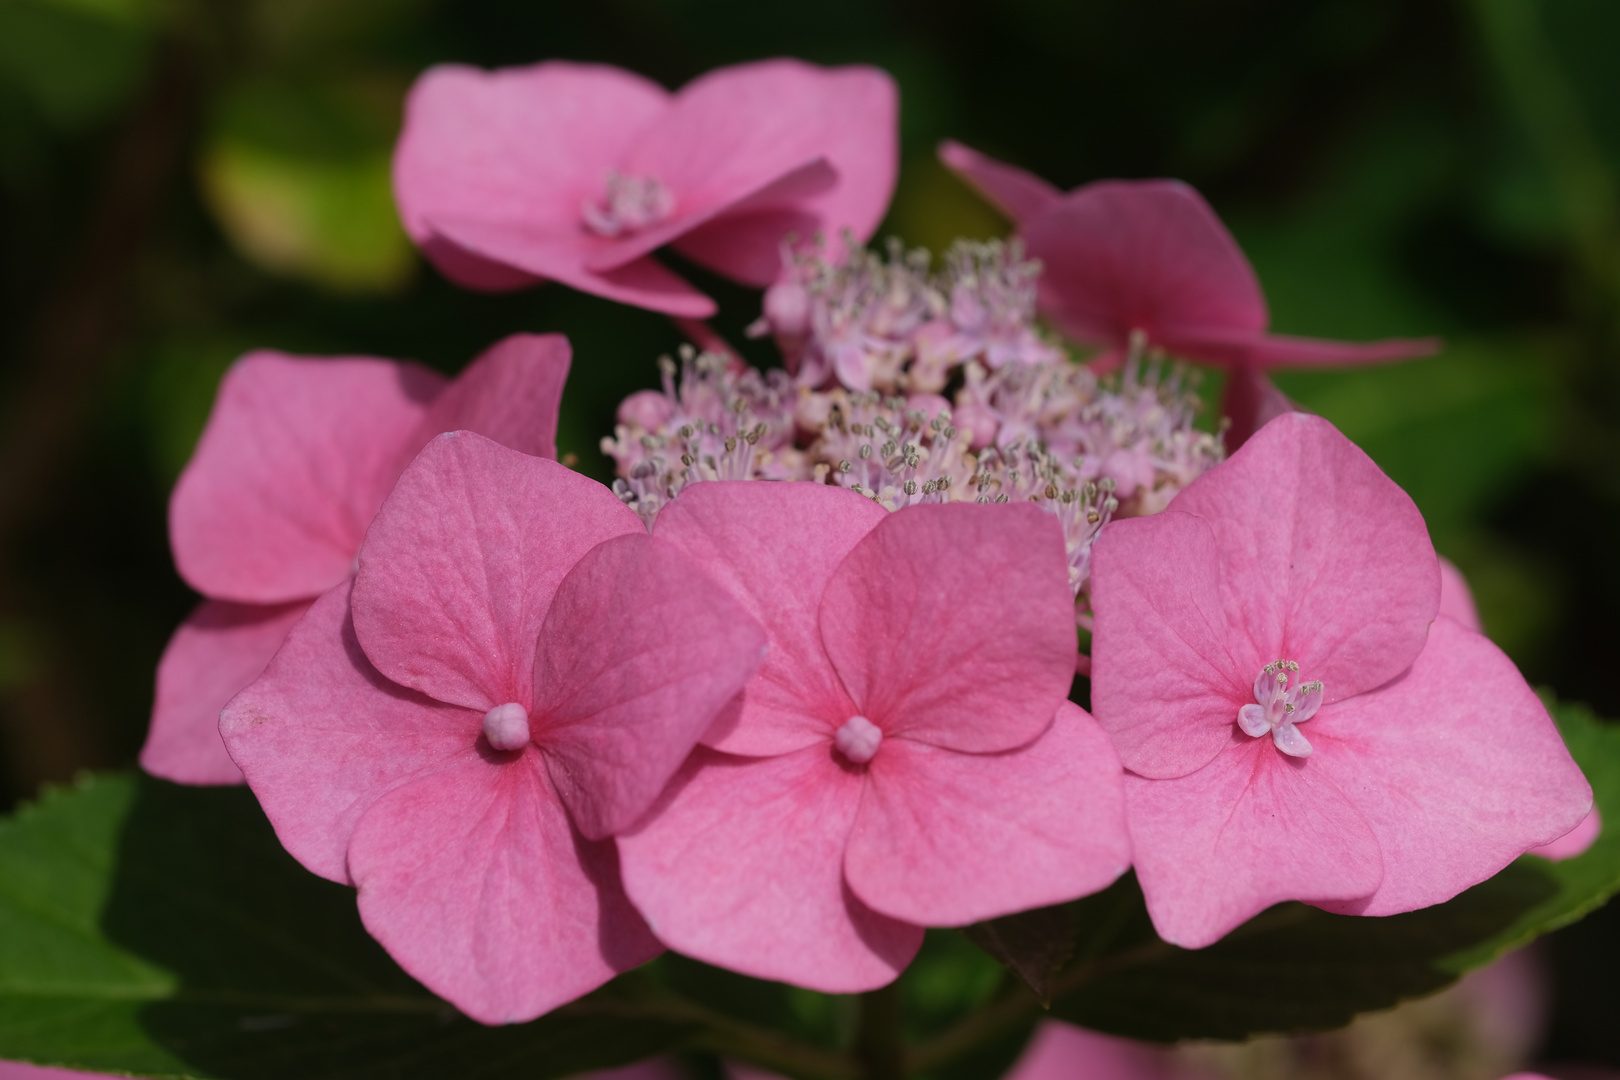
(298, 454)
(906, 755)
(1149, 258)
(514, 674)
(577, 172)
(1295, 722)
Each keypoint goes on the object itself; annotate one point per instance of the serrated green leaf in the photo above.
(162, 931)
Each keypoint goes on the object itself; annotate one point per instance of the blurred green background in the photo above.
(181, 180)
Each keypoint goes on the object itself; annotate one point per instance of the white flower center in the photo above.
(507, 726)
(628, 205)
(859, 739)
(1279, 707)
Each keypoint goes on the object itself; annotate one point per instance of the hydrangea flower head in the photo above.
(577, 173)
(513, 676)
(906, 755)
(297, 455)
(1295, 720)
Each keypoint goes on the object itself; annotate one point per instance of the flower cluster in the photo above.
(797, 686)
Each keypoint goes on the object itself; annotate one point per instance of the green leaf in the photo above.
(163, 931)
(1034, 945)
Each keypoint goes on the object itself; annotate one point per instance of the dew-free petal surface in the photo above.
(1254, 348)
(740, 864)
(1575, 842)
(510, 393)
(1017, 193)
(953, 624)
(638, 653)
(559, 253)
(297, 455)
(1150, 255)
(1456, 766)
(218, 650)
(1456, 600)
(523, 146)
(774, 547)
(1250, 829)
(1323, 559)
(1061, 1051)
(945, 839)
(732, 131)
(473, 879)
(463, 560)
(321, 735)
(1164, 682)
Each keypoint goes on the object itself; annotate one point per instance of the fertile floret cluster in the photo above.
(873, 340)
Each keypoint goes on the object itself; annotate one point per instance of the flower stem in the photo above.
(879, 1042)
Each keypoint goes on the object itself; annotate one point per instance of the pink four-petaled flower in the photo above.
(298, 454)
(512, 677)
(1295, 720)
(577, 172)
(1150, 258)
(906, 756)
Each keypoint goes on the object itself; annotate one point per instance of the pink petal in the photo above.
(1456, 766)
(1149, 255)
(297, 456)
(1250, 402)
(741, 865)
(1250, 829)
(1250, 347)
(216, 652)
(1575, 842)
(1164, 682)
(17, 1070)
(946, 839)
(1018, 194)
(638, 653)
(746, 245)
(734, 130)
(321, 735)
(799, 183)
(472, 878)
(1324, 560)
(774, 547)
(463, 560)
(520, 147)
(510, 393)
(560, 254)
(1456, 601)
(953, 624)
(1061, 1051)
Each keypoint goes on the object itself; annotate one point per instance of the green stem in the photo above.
(1007, 1013)
(879, 1042)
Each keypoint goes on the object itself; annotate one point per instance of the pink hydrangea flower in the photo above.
(511, 678)
(297, 456)
(578, 172)
(1148, 261)
(906, 756)
(1292, 725)
(1457, 602)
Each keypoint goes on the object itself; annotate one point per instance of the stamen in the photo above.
(859, 739)
(1278, 708)
(507, 726)
(630, 204)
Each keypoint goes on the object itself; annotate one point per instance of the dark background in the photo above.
(183, 180)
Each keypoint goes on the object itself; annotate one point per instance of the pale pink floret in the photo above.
(1457, 602)
(911, 758)
(298, 454)
(1431, 764)
(578, 172)
(496, 591)
(1149, 260)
